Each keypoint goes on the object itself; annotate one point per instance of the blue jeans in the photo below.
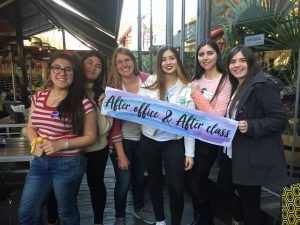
(134, 176)
(62, 174)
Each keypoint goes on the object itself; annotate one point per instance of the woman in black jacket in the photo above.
(256, 156)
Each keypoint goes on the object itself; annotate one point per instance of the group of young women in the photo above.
(69, 137)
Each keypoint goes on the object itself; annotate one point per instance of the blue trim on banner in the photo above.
(169, 117)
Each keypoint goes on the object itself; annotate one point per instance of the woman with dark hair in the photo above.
(256, 156)
(62, 121)
(95, 71)
(126, 154)
(211, 90)
(161, 148)
(94, 66)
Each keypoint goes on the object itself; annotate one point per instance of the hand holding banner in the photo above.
(168, 117)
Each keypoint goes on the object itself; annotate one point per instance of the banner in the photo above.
(168, 117)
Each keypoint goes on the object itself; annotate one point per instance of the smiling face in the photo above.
(124, 65)
(61, 73)
(92, 68)
(169, 62)
(238, 66)
(207, 57)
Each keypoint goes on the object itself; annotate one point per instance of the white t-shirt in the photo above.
(131, 131)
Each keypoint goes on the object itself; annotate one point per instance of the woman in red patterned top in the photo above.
(62, 121)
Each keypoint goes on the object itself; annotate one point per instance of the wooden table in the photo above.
(6, 123)
(16, 150)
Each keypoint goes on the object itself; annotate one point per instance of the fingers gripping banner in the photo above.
(168, 117)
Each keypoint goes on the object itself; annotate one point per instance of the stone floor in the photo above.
(8, 207)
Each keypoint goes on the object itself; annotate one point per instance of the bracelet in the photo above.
(66, 144)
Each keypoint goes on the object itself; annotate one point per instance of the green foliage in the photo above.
(250, 11)
(219, 14)
(259, 16)
(278, 22)
(284, 34)
(148, 62)
(189, 63)
(281, 26)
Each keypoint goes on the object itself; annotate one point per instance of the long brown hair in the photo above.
(114, 79)
(160, 83)
(71, 106)
(253, 68)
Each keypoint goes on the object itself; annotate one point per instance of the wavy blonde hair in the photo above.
(114, 79)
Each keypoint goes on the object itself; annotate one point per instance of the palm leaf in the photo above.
(289, 34)
(249, 10)
(260, 16)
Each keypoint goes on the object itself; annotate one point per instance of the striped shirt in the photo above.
(48, 124)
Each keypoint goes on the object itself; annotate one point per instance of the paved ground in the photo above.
(8, 207)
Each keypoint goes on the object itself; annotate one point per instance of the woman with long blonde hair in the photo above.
(126, 153)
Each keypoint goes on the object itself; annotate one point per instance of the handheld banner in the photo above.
(168, 117)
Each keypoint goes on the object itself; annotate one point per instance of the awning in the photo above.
(98, 29)
(106, 14)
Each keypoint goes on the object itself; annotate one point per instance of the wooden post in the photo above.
(20, 51)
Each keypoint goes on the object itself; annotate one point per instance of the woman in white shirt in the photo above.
(170, 84)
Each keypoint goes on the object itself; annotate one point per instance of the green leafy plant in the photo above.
(278, 21)
(258, 16)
